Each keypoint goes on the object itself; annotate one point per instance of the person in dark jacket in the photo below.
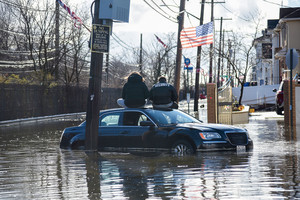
(163, 95)
(135, 92)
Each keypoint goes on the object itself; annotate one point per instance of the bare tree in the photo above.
(244, 54)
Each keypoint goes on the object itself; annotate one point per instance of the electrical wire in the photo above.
(276, 4)
(168, 6)
(21, 34)
(161, 9)
(127, 46)
(7, 52)
(159, 12)
(247, 20)
(22, 7)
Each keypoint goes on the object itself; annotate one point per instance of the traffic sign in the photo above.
(188, 68)
(293, 56)
(187, 61)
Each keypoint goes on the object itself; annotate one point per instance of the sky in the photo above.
(236, 14)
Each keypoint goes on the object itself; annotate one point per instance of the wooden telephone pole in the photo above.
(179, 48)
(198, 62)
(93, 101)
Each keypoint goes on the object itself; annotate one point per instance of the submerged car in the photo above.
(146, 129)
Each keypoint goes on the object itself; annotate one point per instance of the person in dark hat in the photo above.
(163, 95)
(134, 93)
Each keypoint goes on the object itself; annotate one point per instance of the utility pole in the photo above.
(211, 48)
(179, 48)
(222, 69)
(106, 69)
(92, 114)
(56, 40)
(221, 49)
(141, 55)
(198, 62)
(219, 59)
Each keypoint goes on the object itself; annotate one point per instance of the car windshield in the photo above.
(171, 117)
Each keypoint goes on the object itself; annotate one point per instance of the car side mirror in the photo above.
(274, 90)
(147, 123)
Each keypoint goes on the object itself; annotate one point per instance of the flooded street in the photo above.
(32, 166)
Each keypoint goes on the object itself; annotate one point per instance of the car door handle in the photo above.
(124, 132)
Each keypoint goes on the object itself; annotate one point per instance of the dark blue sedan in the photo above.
(149, 130)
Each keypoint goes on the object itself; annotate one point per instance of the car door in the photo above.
(132, 133)
(109, 130)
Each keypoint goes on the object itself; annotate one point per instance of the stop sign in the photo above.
(291, 55)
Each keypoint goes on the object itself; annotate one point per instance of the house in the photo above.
(263, 73)
(286, 36)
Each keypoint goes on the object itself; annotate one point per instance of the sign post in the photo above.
(291, 61)
(187, 62)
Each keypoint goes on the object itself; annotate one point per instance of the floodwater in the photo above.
(32, 166)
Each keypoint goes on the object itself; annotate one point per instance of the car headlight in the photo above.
(209, 135)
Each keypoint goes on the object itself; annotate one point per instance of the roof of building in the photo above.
(289, 12)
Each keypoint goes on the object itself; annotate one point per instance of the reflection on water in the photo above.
(33, 167)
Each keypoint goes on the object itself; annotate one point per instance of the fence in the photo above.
(225, 104)
(23, 101)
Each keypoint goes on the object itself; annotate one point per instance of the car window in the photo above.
(171, 117)
(281, 86)
(133, 118)
(110, 119)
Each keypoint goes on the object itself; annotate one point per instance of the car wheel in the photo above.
(182, 147)
(278, 110)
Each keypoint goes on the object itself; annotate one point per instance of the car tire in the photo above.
(182, 147)
(279, 110)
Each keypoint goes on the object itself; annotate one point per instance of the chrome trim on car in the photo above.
(214, 142)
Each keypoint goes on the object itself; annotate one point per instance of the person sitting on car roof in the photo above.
(134, 93)
(163, 95)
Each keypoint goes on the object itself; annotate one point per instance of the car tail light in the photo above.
(280, 97)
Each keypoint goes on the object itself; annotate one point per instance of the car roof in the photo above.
(130, 109)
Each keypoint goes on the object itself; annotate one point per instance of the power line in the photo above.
(160, 13)
(161, 9)
(247, 20)
(127, 46)
(21, 7)
(276, 3)
(7, 52)
(20, 33)
(168, 6)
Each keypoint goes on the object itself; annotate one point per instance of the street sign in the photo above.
(188, 68)
(100, 38)
(187, 61)
(291, 55)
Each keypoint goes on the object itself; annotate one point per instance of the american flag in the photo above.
(197, 36)
(161, 41)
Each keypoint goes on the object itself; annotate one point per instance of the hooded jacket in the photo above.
(135, 91)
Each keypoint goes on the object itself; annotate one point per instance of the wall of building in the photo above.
(294, 39)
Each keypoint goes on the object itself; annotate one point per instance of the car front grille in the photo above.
(237, 138)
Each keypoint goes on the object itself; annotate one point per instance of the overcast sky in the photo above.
(145, 20)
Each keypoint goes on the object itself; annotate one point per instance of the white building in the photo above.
(264, 73)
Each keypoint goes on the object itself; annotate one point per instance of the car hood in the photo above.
(74, 128)
(210, 127)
